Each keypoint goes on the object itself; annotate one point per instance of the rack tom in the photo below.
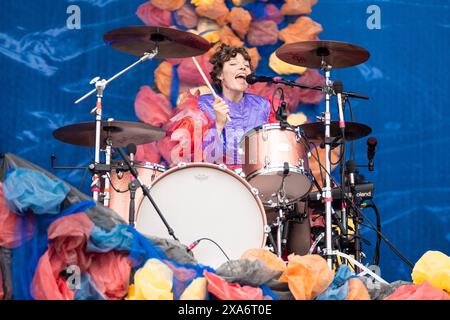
(275, 161)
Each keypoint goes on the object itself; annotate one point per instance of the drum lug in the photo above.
(239, 172)
(298, 136)
(181, 165)
(267, 229)
(301, 163)
(265, 135)
(266, 161)
(223, 166)
(255, 191)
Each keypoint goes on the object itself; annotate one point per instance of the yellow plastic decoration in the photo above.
(152, 282)
(202, 2)
(196, 290)
(208, 29)
(163, 77)
(433, 267)
(281, 67)
(242, 2)
(296, 119)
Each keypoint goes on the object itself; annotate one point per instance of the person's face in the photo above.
(234, 72)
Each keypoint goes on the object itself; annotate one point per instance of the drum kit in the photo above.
(206, 201)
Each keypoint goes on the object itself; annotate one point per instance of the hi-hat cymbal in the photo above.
(172, 43)
(315, 131)
(309, 54)
(121, 133)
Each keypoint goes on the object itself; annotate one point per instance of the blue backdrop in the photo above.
(45, 67)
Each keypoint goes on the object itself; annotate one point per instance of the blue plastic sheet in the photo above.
(119, 238)
(25, 258)
(28, 190)
(87, 289)
(338, 289)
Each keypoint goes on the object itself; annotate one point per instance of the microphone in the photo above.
(131, 149)
(338, 88)
(253, 78)
(371, 145)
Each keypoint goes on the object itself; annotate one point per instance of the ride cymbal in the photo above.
(171, 43)
(311, 54)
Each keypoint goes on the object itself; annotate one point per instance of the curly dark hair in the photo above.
(223, 54)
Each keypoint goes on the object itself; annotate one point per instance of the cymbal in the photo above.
(121, 132)
(172, 43)
(335, 54)
(315, 131)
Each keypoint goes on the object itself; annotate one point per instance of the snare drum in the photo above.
(203, 200)
(120, 201)
(275, 161)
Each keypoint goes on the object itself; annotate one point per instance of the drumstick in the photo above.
(207, 83)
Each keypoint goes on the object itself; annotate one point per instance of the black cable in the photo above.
(376, 257)
(409, 263)
(112, 185)
(318, 160)
(196, 242)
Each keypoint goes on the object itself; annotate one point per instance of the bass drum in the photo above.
(203, 200)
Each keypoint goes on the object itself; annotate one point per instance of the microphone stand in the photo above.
(318, 88)
(100, 86)
(132, 187)
(145, 190)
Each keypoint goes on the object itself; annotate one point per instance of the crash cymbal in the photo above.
(121, 132)
(172, 43)
(335, 53)
(315, 132)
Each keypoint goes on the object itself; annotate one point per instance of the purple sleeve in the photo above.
(212, 144)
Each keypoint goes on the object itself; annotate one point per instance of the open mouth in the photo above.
(241, 76)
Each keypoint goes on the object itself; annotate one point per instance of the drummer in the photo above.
(234, 111)
(246, 111)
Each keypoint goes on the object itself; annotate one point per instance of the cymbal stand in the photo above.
(327, 197)
(109, 144)
(100, 86)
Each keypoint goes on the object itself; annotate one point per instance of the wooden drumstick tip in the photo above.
(205, 79)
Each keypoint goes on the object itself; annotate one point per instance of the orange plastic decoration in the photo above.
(240, 19)
(307, 276)
(168, 5)
(303, 29)
(270, 259)
(296, 7)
